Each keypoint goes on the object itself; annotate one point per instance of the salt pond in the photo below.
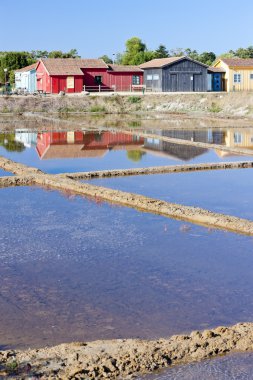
(232, 367)
(73, 269)
(223, 191)
(71, 151)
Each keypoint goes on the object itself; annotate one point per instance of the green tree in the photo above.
(207, 58)
(134, 54)
(106, 59)
(161, 52)
(13, 61)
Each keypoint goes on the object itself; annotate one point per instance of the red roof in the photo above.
(238, 62)
(71, 66)
(125, 68)
(27, 68)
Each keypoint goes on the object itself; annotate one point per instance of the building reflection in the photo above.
(79, 144)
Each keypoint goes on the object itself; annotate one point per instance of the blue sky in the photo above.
(101, 27)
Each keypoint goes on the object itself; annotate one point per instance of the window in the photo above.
(156, 77)
(237, 138)
(237, 78)
(251, 76)
(70, 82)
(136, 79)
(149, 77)
(98, 79)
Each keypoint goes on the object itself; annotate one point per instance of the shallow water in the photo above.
(237, 366)
(4, 173)
(72, 269)
(72, 151)
(223, 191)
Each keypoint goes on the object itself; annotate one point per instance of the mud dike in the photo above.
(125, 358)
(28, 176)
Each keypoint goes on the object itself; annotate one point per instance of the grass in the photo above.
(98, 109)
(215, 108)
(134, 99)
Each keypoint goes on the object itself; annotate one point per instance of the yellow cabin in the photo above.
(238, 73)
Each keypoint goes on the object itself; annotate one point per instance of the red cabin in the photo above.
(75, 75)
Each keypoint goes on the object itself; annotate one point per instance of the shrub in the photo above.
(134, 99)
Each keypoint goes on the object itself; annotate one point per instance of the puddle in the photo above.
(3, 173)
(237, 366)
(223, 191)
(76, 270)
(72, 151)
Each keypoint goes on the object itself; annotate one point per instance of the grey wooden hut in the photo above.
(174, 74)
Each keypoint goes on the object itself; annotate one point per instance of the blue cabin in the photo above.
(26, 79)
(215, 79)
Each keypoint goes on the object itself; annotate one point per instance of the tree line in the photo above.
(136, 53)
(13, 60)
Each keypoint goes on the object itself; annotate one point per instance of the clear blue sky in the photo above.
(101, 27)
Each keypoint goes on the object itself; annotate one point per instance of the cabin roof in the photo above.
(238, 62)
(27, 68)
(71, 66)
(125, 68)
(162, 62)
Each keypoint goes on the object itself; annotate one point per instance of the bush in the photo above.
(214, 108)
(134, 99)
(98, 109)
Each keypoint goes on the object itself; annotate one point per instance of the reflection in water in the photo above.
(88, 271)
(87, 144)
(78, 144)
(237, 366)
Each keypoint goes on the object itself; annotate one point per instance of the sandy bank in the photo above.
(221, 104)
(125, 358)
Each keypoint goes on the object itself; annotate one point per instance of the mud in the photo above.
(125, 358)
(196, 215)
(159, 170)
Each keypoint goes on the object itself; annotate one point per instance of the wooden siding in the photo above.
(153, 84)
(246, 83)
(182, 76)
(185, 76)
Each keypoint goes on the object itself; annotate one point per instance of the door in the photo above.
(217, 82)
(197, 82)
(173, 82)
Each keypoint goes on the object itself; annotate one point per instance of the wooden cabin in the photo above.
(238, 73)
(175, 74)
(76, 75)
(25, 78)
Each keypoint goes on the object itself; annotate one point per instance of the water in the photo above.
(223, 191)
(73, 269)
(72, 151)
(4, 173)
(237, 366)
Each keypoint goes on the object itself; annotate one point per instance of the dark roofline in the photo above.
(175, 61)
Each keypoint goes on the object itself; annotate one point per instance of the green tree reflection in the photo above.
(135, 155)
(9, 143)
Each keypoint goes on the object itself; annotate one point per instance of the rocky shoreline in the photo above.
(124, 358)
(235, 104)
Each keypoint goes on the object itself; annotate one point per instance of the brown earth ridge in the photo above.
(222, 105)
(125, 358)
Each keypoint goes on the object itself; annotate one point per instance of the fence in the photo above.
(114, 88)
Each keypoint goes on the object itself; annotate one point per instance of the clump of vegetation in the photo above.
(134, 124)
(134, 99)
(66, 109)
(98, 109)
(215, 108)
(12, 367)
(5, 109)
